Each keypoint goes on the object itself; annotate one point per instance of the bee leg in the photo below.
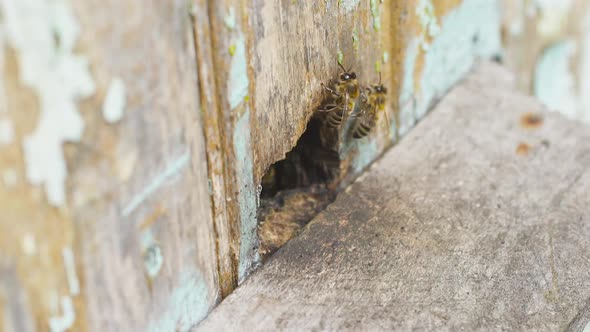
(328, 108)
(331, 91)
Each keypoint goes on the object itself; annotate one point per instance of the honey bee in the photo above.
(343, 95)
(372, 105)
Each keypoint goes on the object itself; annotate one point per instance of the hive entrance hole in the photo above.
(296, 189)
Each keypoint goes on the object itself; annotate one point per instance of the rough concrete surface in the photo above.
(477, 220)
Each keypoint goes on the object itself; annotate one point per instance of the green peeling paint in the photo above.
(232, 50)
(340, 57)
(378, 66)
(355, 39)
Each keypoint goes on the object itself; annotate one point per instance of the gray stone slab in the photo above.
(476, 220)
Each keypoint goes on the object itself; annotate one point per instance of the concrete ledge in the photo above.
(477, 220)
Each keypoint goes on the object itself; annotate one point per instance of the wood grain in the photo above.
(450, 230)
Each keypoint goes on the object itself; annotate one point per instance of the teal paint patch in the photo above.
(247, 197)
(407, 118)
(367, 153)
(554, 81)
(470, 30)
(188, 305)
(376, 15)
(238, 82)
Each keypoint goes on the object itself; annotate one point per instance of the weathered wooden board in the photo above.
(482, 228)
(128, 241)
(270, 58)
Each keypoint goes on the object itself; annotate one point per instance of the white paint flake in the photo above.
(6, 132)
(70, 266)
(28, 244)
(44, 34)
(230, 19)
(428, 22)
(66, 320)
(115, 100)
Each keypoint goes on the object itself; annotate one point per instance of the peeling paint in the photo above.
(153, 260)
(6, 132)
(115, 100)
(368, 152)
(587, 328)
(44, 34)
(70, 266)
(376, 15)
(468, 31)
(406, 111)
(340, 57)
(348, 5)
(355, 39)
(385, 57)
(428, 22)
(554, 15)
(28, 244)
(230, 19)
(67, 319)
(237, 85)
(246, 196)
(188, 304)
(554, 83)
(170, 172)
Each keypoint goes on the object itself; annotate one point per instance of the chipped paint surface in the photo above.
(6, 132)
(172, 170)
(428, 21)
(376, 15)
(237, 85)
(70, 266)
(67, 318)
(368, 152)
(44, 34)
(230, 19)
(247, 197)
(554, 81)
(115, 100)
(188, 304)
(348, 5)
(466, 32)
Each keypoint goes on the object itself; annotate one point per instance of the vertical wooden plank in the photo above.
(119, 235)
(148, 243)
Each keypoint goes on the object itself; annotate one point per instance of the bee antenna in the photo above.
(349, 69)
(379, 78)
(341, 66)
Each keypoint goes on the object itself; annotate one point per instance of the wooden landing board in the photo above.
(477, 220)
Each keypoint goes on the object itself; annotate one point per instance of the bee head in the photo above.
(380, 88)
(346, 75)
